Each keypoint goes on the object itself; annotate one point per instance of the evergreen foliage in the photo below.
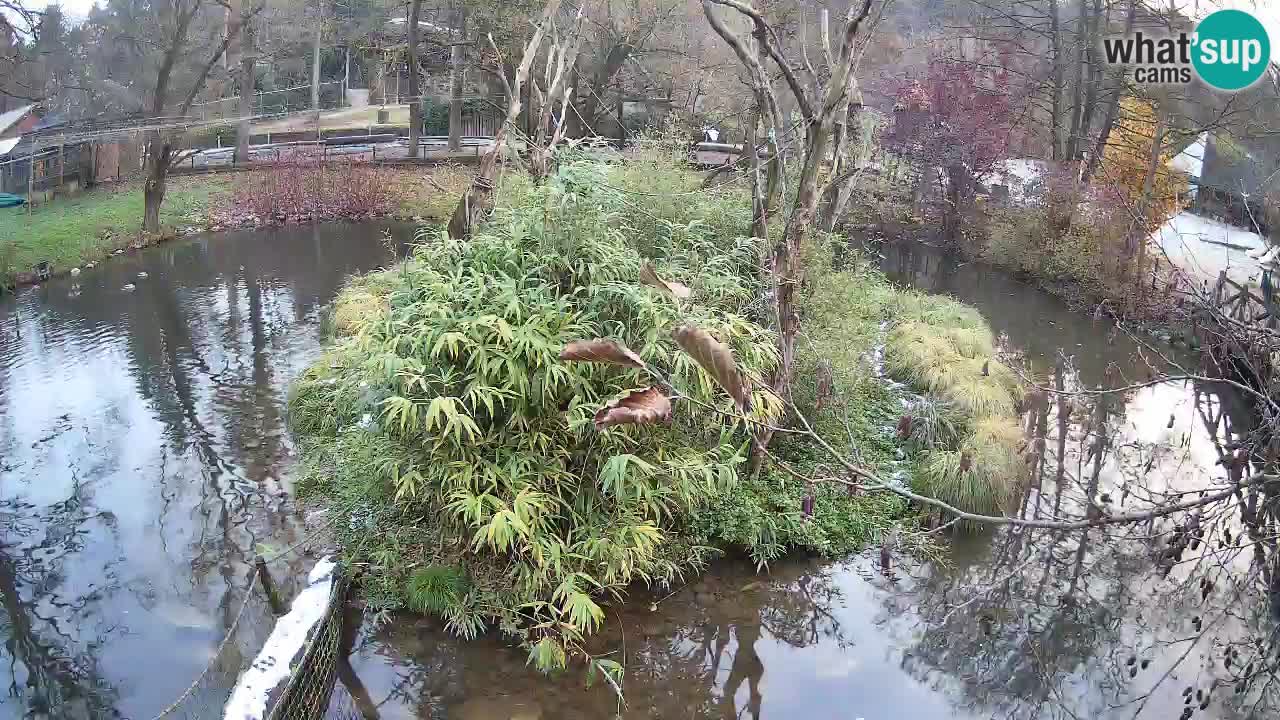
(458, 450)
(456, 443)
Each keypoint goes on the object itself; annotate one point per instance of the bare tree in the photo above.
(248, 76)
(545, 94)
(821, 102)
(477, 202)
(175, 40)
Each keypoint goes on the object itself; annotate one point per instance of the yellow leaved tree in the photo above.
(1126, 163)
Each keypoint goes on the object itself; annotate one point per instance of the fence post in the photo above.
(62, 155)
(31, 177)
(268, 586)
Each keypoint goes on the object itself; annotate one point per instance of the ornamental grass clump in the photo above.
(944, 350)
(467, 463)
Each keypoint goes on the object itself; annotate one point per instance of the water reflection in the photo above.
(1159, 619)
(144, 460)
(802, 641)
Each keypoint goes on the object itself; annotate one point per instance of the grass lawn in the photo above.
(431, 195)
(68, 232)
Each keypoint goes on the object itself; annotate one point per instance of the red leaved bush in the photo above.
(308, 190)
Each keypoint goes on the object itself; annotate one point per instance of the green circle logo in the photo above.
(1232, 50)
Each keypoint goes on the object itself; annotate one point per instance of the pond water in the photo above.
(144, 460)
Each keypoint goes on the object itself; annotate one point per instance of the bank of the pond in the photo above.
(72, 232)
(458, 448)
(1080, 268)
(69, 232)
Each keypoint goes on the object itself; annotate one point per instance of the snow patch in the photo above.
(271, 667)
(1021, 175)
(1191, 160)
(1203, 247)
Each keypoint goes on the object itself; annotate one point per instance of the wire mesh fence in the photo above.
(306, 696)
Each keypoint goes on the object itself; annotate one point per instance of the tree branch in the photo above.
(766, 35)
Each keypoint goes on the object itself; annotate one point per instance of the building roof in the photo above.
(13, 116)
(8, 144)
(1190, 159)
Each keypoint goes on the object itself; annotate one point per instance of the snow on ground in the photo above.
(1203, 247)
(1021, 175)
(249, 699)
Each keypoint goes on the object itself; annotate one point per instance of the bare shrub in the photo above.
(307, 190)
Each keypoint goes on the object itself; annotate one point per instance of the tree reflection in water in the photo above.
(50, 676)
(1169, 618)
(708, 650)
(1162, 619)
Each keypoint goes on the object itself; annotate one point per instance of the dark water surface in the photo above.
(144, 460)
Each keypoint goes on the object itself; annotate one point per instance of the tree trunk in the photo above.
(315, 70)
(1113, 107)
(585, 123)
(415, 103)
(1077, 103)
(1055, 49)
(751, 153)
(158, 151)
(960, 192)
(838, 192)
(248, 63)
(787, 261)
(1137, 243)
(1095, 74)
(456, 60)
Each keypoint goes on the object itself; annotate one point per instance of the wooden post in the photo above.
(268, 586)
(62, 154)
(31, 177)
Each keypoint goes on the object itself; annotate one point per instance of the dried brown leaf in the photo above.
(826, 383)
(649, 276)
(638, 407)
(717, 359)
(600, 351)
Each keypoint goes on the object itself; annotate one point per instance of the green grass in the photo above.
(68, 232)
(965, 433)
(982, 474)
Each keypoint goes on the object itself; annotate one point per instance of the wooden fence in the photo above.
(1245, 303)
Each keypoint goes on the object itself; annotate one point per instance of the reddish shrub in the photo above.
(308, 190)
